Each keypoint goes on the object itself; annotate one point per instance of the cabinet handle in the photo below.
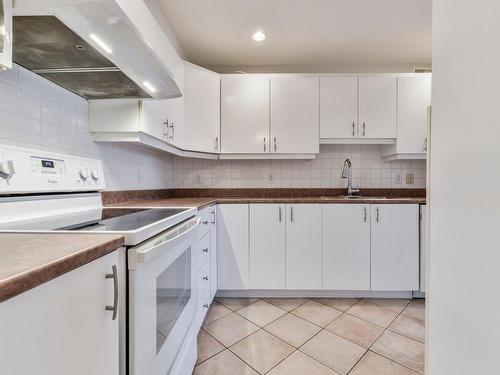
(213, 217)
(205, 222)
(205, 278)
(291, 214)
(205, 305)
(353, 128)
(166, 128)
(425, 144)
(173, 131)
(113, 276)
(275, 147)
(279, 213)
(205, 250)
(364, 129)
(364, 214)
(264, 144)
(377, 216)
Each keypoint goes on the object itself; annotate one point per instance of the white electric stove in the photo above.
(48, 192)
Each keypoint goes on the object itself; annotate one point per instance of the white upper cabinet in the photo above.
(338, 107)
(267, 246)
(346, 247)
(395, 247)
(201, 109)
(414, 100)
(377, 107)
(294, 114)
(303, 246)
(6, 34)
(244, 114)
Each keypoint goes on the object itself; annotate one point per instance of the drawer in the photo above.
(204, 289)
(203, 251)
(205, 215)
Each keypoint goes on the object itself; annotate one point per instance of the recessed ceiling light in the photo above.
(101, 44)
(149, 86)
(259, 36)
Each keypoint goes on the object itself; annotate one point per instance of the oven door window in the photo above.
(173, 291)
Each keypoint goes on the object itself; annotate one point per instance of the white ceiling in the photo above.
(302, 32)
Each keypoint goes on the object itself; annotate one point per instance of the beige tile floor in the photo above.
(294, 336)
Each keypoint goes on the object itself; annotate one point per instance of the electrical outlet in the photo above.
(410, 179)
(397, 179)
(270, 179)
(198, 179)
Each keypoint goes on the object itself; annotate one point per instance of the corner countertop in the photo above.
(29, 260)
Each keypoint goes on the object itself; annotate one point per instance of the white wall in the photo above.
(464, 286)
(35, 113)
(369, 171)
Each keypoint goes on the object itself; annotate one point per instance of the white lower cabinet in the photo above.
(303, 246)
(267, 246)
(395, 247)
(423, 248)
(346, 247)
(341, 247)
(62, 327)
(233, 253)
(213, 252)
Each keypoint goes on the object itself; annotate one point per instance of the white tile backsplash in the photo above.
(369, 171)
(36, 113)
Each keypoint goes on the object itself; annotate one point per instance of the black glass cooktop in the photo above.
(124, 219)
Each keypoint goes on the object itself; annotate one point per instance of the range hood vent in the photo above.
(46, 46)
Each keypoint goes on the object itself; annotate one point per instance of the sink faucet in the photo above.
(347, 173)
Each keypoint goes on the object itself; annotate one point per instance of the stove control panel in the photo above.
(34, 171)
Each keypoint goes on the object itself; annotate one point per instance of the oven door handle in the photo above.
(152, 248)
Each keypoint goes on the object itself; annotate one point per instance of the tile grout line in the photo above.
(385, 329)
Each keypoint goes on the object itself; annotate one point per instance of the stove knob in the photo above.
(84, 174)
(95, 174)
(7, 169)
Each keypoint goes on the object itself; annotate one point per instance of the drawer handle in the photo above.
(205, 250)
(205, 278)
(113, 276)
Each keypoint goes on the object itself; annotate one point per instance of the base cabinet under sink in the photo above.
(314, 247)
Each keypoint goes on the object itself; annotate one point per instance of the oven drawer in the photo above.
(205, 216)
(203, 251)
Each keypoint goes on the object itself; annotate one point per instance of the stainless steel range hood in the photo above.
(99, 49)
(46, 46)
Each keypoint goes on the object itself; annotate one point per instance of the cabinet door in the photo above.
(58, 327)
(377, 107)
(175, 119)
(245, 114)
(213, 251)
(423, 248)
(394, 244)
(154, 118)
(414, 98)
(294, 114)
(201, 109)
(232, 237)
(267, 246)
(346, 247)
(338, 107)
(303, 246)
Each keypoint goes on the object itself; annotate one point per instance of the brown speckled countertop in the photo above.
(202, 198)
(29, 260)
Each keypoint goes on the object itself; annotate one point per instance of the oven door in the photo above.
(162, 304)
